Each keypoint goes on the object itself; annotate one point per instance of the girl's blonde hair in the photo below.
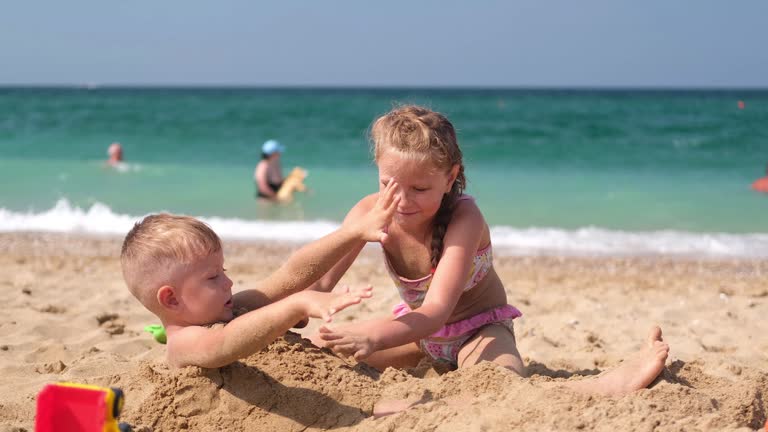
(420, 133)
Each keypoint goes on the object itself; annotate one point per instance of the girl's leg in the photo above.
(634, 373)
(494, 343)
(402, 356)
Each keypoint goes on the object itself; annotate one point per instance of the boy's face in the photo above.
(205, 293)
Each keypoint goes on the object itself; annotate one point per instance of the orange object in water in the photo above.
(741, 104)
(761, 185)
(65, 407)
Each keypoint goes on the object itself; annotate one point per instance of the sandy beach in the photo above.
(65, 315)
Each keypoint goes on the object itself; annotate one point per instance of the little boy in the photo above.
(174, 265)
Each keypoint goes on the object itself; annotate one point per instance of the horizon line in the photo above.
(150, 86)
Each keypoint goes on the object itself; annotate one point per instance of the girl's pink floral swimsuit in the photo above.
(444, 345)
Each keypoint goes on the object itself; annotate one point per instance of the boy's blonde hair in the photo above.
(155, 248)
(420, 133)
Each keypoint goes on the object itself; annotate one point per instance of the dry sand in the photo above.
(66, 315)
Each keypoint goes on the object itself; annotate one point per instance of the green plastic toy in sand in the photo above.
(158, 332)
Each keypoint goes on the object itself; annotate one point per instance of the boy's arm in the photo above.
(328, 281)
(251, 332)
(221, 345)
(253, 298)
(302, 268)
(332, 277)
(305, 266)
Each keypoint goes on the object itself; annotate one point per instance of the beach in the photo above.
(65, 315)
(618, 182)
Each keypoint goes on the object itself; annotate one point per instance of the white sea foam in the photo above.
(598, 241)
(100, 219)
(124, 167)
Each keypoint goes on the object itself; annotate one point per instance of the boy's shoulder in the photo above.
(179, 333)
(184, 342)
(184, 332)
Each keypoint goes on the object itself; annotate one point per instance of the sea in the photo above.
(554, 171)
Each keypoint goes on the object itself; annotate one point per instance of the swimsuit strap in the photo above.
(413, 291)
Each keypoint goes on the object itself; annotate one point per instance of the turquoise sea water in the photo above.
(629, 162)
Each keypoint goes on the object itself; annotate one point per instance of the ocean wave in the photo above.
(100, 219)
(599, 241)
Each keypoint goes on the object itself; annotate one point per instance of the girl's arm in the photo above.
(461, 242)
(330, 279)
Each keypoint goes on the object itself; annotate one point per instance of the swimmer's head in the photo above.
(115, 151)
(270, 148)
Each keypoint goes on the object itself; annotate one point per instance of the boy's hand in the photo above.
(325, 305)
(372, 227)
(348, 341)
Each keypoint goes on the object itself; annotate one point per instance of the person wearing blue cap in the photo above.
(269, 174)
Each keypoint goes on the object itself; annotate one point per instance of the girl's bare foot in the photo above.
(634, 373)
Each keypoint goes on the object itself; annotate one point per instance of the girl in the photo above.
(439, 255)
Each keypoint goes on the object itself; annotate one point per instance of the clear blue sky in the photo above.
(679, 43)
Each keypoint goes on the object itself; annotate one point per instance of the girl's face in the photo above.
(422, 186)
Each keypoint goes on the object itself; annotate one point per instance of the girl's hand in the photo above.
(325, 305)
(348, 341)
(372, 227)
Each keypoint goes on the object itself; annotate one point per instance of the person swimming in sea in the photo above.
(761, 184)
(115, 152)
(269, 174)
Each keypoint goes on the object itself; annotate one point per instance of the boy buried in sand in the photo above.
(174, 265)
